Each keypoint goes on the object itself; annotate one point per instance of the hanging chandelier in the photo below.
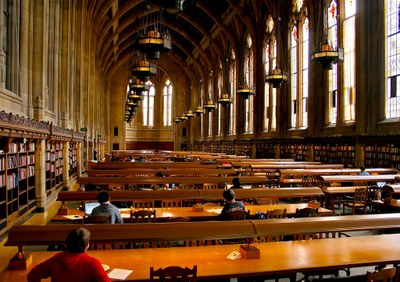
(144, 69)
(224, 100)
(189, 114)
(209, 106)
(327, 54)
(198, 111)
(277, 77)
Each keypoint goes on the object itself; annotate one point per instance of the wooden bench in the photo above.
(37, 235)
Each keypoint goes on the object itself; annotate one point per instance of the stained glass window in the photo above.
(393, 58)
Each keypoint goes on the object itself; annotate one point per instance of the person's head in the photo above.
(103, 197)
(362, 168)
(236, 182)
(228, 195)
(159, 174)
(77, 240)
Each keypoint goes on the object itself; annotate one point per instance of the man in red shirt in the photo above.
(74, 264)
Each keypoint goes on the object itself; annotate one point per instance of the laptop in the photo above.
(89, 206)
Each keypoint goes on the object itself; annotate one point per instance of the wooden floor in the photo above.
(6, 253)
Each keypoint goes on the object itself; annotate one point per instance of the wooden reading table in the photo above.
(285, 257)
(208, 213)
(327, 179)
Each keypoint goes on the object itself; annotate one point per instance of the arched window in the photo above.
(392, 58)
(299, 63)
(210, 97)
(249, 75)
(349, 46)
(148, 106)
(167, 103)
(269, 64)
(220, 92)
(293, 77)
(333, 73)
(232, 86)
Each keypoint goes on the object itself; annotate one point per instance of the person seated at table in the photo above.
(73, 264)
(363, 171)
(106, 208)
(159, 186)
(230, 203)
(236, 183)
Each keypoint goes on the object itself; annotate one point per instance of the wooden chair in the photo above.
(272, 177)
(97, 219)
(267, 201)
(272, 214)
(237, 215)
(143, 216)
(383, 275)
(208, 186)
(174, 274)
(275, 214)
(171, 203)
(358, 202)
(143, 204)
(306, 212)
(308, 181)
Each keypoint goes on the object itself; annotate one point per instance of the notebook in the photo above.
(89, 206)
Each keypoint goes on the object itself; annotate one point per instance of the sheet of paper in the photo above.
(234, 255)
(72, 217)
(120, 274)
(216, 211)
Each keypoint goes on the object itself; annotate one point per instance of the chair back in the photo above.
(174, 274)
(98, 219)
(171, 203)
(384, 275)
(179, 219)
(308, 181)
(361, 195)
(142, 204)
(237, 215)
(208, 186)
(306, 212)
(276, 213)
(143, 216)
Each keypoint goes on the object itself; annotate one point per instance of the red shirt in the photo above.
(67, 267)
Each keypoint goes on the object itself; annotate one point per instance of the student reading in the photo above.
(106, 208)
(74, 264)
(230, 203)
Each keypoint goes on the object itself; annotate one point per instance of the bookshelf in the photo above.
(296, 151)
(54, 165)
(72, 159)
(265, 150)
(335, 153)
(17, 178)
(381, 154)
(228, 148)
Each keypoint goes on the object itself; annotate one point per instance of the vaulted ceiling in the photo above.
(201, 32)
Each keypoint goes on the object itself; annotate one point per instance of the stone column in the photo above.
(40, 175)
(65, 153)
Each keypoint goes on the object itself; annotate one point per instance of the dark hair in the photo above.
(228, 194)
(236, 182)
(103, 197)
(77, 240)
(362, 168)
(159, 174)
